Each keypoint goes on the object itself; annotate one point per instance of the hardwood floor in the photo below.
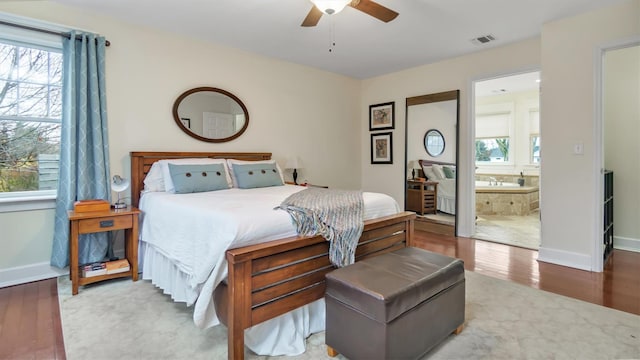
(618, 286)
(30, 326)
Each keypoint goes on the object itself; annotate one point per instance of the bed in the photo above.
(256, 282)
(435, 171)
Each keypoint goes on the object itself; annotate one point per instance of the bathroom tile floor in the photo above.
(522, 231)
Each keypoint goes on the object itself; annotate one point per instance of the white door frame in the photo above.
(466, 222)
(597, 260)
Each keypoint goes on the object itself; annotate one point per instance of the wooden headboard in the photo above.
(431, 162)
(141, 162)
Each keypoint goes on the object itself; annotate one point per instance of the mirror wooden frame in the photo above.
(426, 99)
(188, 131)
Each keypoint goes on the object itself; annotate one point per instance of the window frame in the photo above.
(496, 163)
(531, 149)
(36, 199)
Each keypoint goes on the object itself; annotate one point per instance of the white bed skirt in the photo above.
(447, 205)
(283, 335)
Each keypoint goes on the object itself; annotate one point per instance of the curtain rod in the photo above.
(26, 27)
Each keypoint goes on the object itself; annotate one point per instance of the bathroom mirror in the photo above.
(210, 114)
(434, 142)
(431, 140)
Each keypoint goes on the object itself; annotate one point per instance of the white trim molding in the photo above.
(29, 273)
(565, 258)
(625, 243)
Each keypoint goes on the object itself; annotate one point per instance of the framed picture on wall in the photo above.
(186, 122)
(381, 148)
(382, 116)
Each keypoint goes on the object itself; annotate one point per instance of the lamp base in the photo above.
(119, 205)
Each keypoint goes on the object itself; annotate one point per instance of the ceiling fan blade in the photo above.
(374, 9)
(312, 17)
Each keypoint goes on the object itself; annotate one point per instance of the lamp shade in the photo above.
(330, 6)
(119, 184)
(293, 162)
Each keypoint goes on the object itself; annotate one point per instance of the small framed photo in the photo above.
(186, 122)
(381, 148)
(382, 116)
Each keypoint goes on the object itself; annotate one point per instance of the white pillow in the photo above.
(166, 174)
(428, 172)
(154, 181)
(230, 163)
(437, 169)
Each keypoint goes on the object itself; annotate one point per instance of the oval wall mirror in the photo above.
(434, 142)
(210, 114)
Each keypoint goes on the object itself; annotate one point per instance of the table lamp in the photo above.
(294, 163)
(415, 166)
(119, 184)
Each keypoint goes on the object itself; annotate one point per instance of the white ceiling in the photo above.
(508, 84)
(426, 31)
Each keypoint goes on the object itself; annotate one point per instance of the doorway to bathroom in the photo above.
(507, 159)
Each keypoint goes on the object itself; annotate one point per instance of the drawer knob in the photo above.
(106, 223)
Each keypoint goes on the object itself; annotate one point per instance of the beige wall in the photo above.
(323, 117)
(452, 74)
(621, 145)
(570, 184)
(293, 109)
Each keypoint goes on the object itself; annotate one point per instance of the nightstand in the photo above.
(422, 196)
(100, 221)
(307, 185)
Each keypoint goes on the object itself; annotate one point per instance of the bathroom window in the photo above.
(535, 149)
(492, 150)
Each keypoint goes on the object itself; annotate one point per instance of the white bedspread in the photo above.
(193, 231)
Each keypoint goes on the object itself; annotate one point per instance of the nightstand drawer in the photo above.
(105, 224)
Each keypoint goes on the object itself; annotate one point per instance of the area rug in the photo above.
(121, 319)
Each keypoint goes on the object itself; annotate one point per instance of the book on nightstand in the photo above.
(93, 269)
(117, 266)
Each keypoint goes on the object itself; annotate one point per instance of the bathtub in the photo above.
(504, 185)
(506, 199)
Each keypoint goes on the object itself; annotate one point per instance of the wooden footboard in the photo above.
(270, 279)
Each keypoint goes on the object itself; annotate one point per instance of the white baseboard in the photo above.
(625, 243)
(565, 258)
(39, 271)
(29, 273)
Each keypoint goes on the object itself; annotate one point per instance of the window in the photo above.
(534, 136)
(493, 136)
(30, 118)
(535, 149)
(494, 150)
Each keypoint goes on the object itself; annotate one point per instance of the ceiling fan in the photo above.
(335, 6)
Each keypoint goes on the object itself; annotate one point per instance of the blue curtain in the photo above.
(84, 153)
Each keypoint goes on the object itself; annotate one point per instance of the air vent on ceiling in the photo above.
(483, 39)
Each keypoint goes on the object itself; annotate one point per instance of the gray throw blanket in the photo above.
(336, 215)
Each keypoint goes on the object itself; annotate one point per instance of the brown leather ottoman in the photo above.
(397, 305)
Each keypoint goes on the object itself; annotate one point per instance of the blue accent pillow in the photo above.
(250, 176)
(449, 172)
(198, 178)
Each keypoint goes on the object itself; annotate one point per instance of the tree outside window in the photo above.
(535, 149)
(30, 117)
(495, 150)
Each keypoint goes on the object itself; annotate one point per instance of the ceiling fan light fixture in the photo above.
(330, 6)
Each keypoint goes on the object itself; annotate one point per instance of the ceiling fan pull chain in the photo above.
(332, 43)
